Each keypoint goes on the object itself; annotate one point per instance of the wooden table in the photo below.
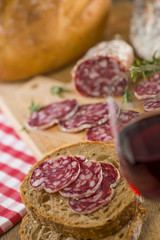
(118, 23)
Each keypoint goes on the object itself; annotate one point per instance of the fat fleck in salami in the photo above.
(103, 133)
(152, 104)
(51, 114)
(55, 174)
(96, 72)
(103, 194)
(86, 116)
(149, 87)
(87, 182)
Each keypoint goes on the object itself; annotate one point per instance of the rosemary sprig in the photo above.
(127, 96)
(58, 90)
(33, 107)
(23, 128)
(143, 68)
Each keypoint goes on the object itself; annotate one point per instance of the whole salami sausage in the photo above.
(86, 116)
(51, 114)
(55, 174)
(94, 74)
(148, 87)
(103, 133)
(88, 181)
(103, 194)
(144, 28)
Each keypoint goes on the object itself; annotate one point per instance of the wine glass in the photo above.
(138, 142)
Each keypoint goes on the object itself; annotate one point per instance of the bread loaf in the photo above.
(144, 29)
(32, 229)
(52, 209)
(39, 36)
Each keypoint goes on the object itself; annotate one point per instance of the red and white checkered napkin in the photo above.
(15, 161)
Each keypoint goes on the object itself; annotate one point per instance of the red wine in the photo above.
(140, 155)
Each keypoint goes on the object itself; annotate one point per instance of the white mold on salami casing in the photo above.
(145, 28)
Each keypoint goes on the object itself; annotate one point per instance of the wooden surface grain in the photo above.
(22, 92)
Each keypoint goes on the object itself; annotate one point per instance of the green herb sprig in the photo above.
(127, 96)
(58, 90)
(33, 107)
(143, 68)
(23, 128)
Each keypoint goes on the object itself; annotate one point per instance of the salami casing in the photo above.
(103, 194)
(94, 74)
(144, 28)
(86, 116)
(55, 174)
(51, 114)
(148, 87)
(88, 181)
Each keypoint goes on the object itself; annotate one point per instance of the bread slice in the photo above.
(53, 210)
(32, 229)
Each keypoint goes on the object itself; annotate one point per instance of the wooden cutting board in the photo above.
(15, 100)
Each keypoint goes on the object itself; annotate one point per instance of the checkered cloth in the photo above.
(15, 161)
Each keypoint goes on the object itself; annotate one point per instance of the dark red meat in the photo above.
(103, 194)
(98, 70)
(103, 133)
(148, 87)
(87, 182)
(152, 104)
(86, 116)
(51, 114)
(55, 174)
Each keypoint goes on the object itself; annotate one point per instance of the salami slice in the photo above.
(55, 174)
(103, 133)
(126, 116)
(86, 116)
(103, 194)
(100, 133)
(51, 114)
(152, 104)
(87, 182)
(98, 70)
(148, 87)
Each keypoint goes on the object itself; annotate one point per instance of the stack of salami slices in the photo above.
(148, 91)
(78, 192)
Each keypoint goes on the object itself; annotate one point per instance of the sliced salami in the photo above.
(86, 116)
(55, 174)
(87, 182)
(98, 70)
(103, 133)
(152, 104)
(127, 116)
(51, 114)
(100, 133)
(148, 87)
(103, 194)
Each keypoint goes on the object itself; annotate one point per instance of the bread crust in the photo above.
(32, 227)
(39, 36)
(61, 218)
